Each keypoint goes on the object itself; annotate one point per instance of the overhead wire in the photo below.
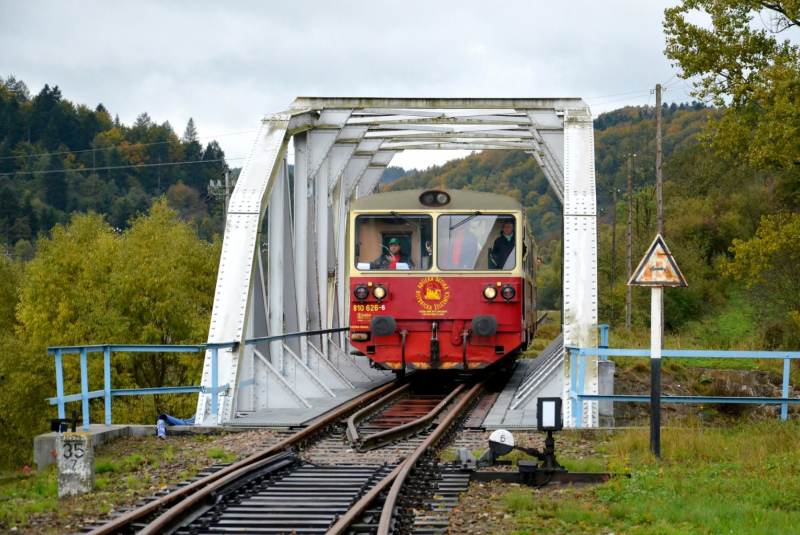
(118, 147)
(82, 169)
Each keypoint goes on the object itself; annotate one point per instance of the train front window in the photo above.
(476, 242)
(393, 241)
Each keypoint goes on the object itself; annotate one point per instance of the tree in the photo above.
(17, 87)
(747, 69)
(770, 265)
(190, 134)
(151, 284)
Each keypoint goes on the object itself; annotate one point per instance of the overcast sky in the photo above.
(226, 64)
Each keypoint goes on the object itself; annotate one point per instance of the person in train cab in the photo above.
(390, 261)
(503, 246)
(463, 249)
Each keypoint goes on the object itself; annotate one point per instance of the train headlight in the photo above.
(361, 292)
(508, 292)
(441, 198)
(490, 292)
(379, 292)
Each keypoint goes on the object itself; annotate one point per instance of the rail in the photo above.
(381, 438)
(178, 503)
(579, 355)
(396, 479)
(107, 392)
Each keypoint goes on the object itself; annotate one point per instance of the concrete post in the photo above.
(605, 372)
(75, 464)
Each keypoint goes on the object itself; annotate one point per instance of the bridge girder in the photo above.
(341, 148)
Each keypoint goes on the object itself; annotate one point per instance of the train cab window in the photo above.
(477, 242)
(393, 241)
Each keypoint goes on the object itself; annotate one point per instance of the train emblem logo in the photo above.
(432, 293)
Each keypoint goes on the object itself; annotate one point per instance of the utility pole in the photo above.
(628, 253)
(659, 181)
(613, 245)
(659, 188)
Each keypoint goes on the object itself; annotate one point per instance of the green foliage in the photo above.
(89, 284)
(743, 65)
(46, 140)
(768, 263)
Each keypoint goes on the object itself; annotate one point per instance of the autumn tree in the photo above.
(91, 284)
(770, 264)
(740, 61)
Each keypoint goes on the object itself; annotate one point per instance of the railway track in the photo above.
(363, 468)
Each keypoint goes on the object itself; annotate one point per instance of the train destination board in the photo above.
(658, 267)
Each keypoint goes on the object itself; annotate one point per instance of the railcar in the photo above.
(440, 279)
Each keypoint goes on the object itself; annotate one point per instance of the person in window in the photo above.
(463, 249)
(390, 261)
(503, 246)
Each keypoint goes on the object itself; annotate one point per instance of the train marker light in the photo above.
(360, 337)
(361, 292)
(490, 293)
(508, 292)
(434, 198)
(379, 292)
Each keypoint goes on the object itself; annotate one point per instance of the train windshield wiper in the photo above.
(467, 220)
(417, 225)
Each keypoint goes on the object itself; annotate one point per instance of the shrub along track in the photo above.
(329, 486)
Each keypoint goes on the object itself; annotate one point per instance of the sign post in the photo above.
(657, 269)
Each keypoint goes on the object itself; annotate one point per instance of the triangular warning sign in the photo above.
(658, 268)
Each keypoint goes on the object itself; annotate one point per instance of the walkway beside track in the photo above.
(515, 407)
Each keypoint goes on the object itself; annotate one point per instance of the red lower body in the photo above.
(445, 338)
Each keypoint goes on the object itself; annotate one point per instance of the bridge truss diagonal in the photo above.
(341, 148)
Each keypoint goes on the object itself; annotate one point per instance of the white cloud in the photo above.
(226, 65)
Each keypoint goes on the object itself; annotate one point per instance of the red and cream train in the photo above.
(440, 279)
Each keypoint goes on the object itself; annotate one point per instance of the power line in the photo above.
(117, 167)
(620, 99)
(118, 146)
(670, 79)
(616, 94)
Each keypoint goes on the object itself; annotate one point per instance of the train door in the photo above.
(529, 283)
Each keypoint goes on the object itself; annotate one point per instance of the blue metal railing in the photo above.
(578, 357)
(108, 392)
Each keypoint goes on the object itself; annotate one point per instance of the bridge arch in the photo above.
(341, 148)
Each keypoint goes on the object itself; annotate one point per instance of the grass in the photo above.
(740, 480)
(26, 495)
(220, 455)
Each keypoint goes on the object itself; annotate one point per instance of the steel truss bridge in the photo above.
(341, 148)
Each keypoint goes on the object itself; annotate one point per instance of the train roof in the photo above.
(459, 200)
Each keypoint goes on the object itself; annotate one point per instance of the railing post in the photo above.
(60, 384)
(581, 379)
(214, 383)
(603, 338)
(107, 381)
(85, 388)
(785, 406)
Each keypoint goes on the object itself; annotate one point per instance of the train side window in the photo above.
(393, 241)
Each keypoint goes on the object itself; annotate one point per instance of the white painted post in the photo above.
(301, 233)
(75, 464)
(321, 213)
(275, 261)
(655, 370)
